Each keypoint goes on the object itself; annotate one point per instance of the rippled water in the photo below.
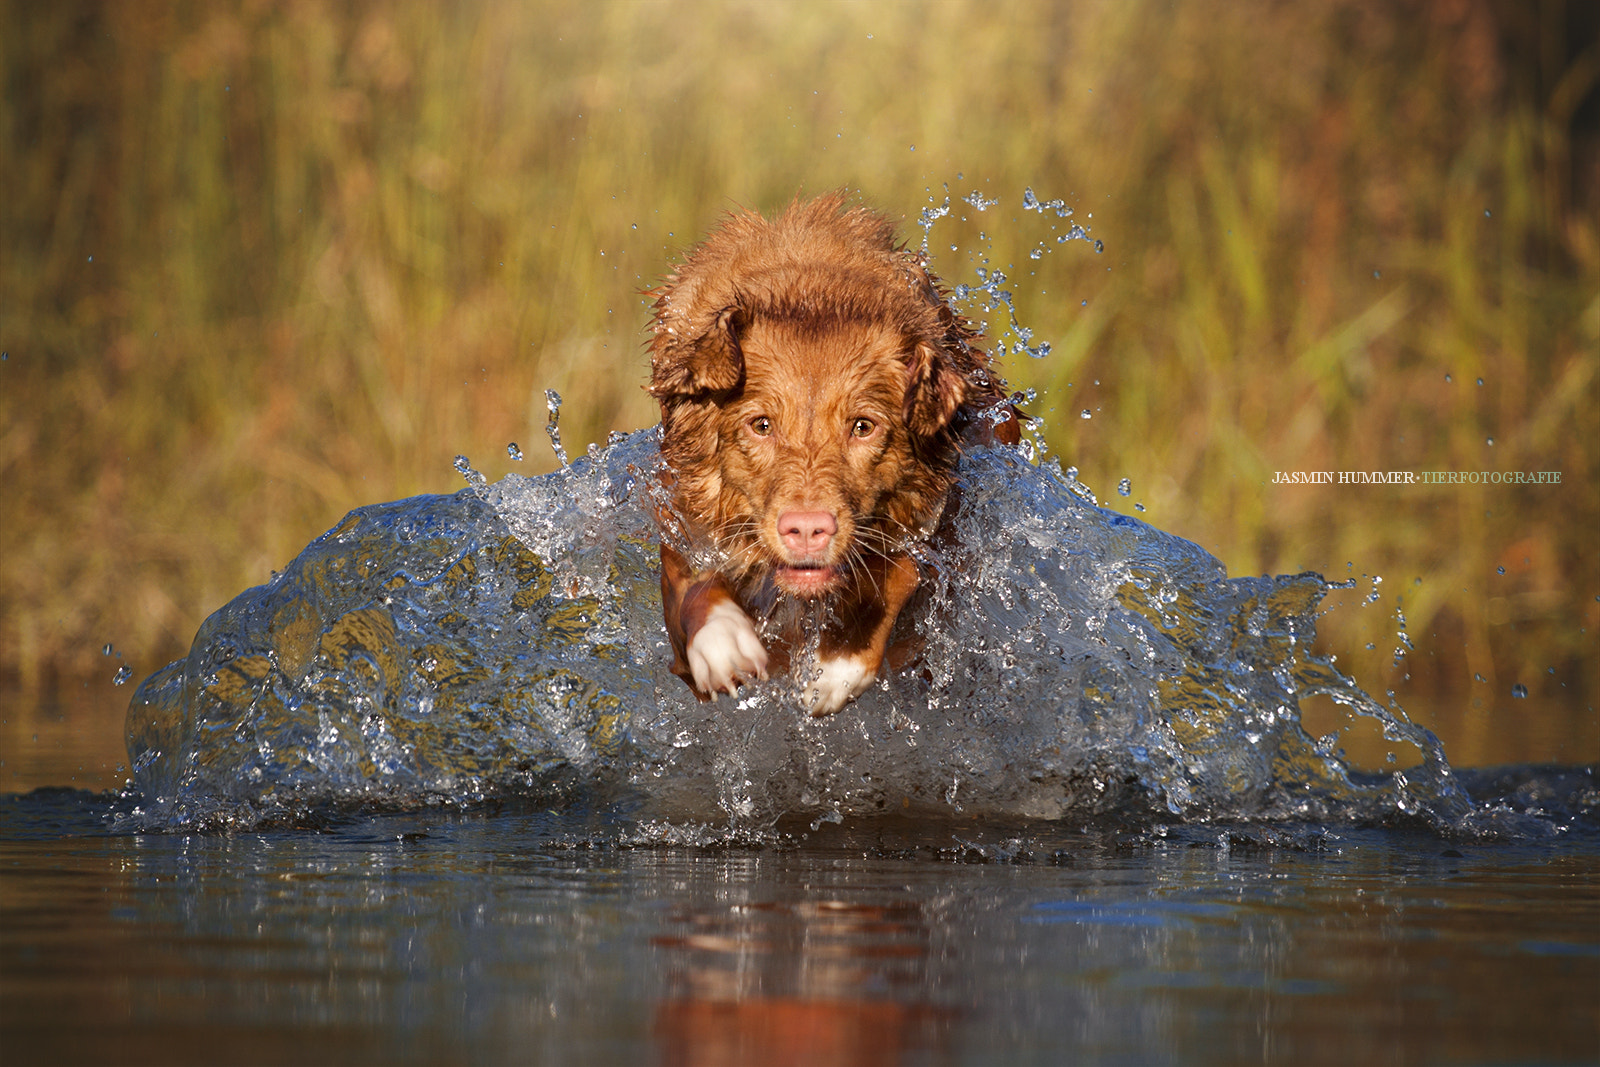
(513, 933)
(431, 795)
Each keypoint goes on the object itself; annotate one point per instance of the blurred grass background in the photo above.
(264, 263)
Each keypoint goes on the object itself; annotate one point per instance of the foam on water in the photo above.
(507, 640)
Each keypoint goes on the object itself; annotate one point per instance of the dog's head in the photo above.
(813, 382)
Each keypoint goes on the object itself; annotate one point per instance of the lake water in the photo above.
(431, 796)
(512, 934)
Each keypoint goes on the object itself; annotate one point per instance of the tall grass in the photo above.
(262, 264)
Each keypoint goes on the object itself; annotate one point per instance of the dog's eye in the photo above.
(761, 426)
(863, 428)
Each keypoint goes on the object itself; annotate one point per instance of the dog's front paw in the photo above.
(836, 682)
(725, 652)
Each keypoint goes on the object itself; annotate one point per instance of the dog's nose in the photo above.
(807, 533)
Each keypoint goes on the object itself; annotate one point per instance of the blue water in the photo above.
(432, 796)
(506, 932)
(506, 642)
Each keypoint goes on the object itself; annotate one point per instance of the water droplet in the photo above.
(1519, 691)
(1377, 274)
(1499, 570)
(1036, 253)
(552, 428)
(1125, 487)
(1099, 245)
(1480, 381)
(1138, 507)
(1490, 441)
(107, 650)
(464, 465)
(1477, 677)
(1448, 378)
(514, 452)
(1486, 213)
(1084, 414)
(124, 672)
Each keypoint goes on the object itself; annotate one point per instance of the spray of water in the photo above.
(1063, 661)
(1068, 662)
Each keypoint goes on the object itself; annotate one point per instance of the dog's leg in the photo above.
(849, 659)
(715, 646)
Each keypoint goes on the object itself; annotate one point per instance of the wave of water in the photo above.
(507, 641)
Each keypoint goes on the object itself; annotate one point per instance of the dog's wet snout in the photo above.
(807, 534)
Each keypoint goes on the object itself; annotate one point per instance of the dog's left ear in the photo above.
(934, 391)
(709, 363)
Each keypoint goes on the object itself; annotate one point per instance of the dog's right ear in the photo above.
(711, 362)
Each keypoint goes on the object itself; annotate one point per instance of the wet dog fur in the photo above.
(815, 387)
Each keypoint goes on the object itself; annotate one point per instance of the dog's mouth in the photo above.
(804, 579)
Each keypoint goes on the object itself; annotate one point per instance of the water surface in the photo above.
(512, 934)
(431, 795)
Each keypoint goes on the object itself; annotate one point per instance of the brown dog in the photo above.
(814, 389)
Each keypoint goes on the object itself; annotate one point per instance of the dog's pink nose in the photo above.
(806, 533)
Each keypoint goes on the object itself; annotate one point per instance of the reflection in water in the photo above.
(524, 937)
(825, 981)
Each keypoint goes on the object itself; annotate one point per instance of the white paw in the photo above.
(836, 682)
(726, 651)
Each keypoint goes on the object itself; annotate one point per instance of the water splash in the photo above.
(929, 216)
(464, 467)
(991, 293)
(1066, 661)
(552, 429)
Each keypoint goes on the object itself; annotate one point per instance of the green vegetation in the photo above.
(260, 264)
